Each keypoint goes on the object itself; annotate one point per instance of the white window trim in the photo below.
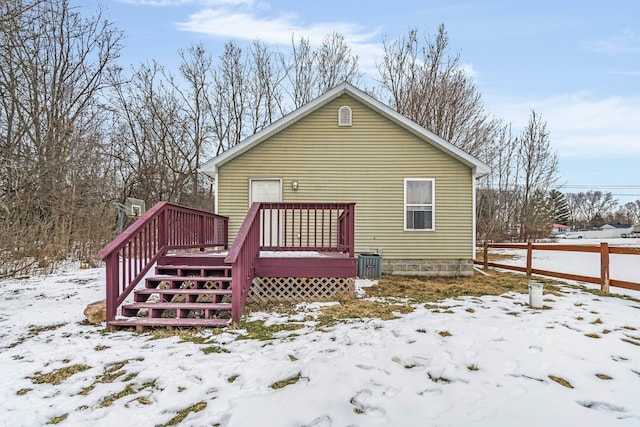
(279, 180)
(433, 205)
(341, 122)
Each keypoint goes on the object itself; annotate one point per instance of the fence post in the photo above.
(604, 267)
(529, 257)
(485, 254)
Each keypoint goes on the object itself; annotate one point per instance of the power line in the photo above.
(602, 186)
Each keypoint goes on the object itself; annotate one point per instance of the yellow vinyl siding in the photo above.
(366, 164)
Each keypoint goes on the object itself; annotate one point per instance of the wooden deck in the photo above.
(278, 264)
(198, 282)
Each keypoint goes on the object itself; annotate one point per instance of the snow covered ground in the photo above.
(487, 361)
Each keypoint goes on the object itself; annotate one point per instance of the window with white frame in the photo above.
(418, 204)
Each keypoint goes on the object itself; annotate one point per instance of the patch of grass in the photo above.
(579, 318)
(195, 335)
(421, 330)
(110, 399)
(362, 309)
(232, 378)
(143, 401)
(438, 379)
(214, 349)
(423, 290)
(560, 381)
(493, 256)
(288, 381)
(473, 367)
(181, 389)
(129, 377)
(513, 313)
(598, 321)
(59, 375)
(57, 420)
(23, 391)
(292, 358)
(197, 407)
(34, 331)
(606, 331)
(604, 377)
(592, 335)
(630, 341)
(444, 333)
(101, 347)
(257, 330)
(470, 310)
(630, 328)
(111, 373)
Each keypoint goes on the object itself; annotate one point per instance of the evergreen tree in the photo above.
(559, 207)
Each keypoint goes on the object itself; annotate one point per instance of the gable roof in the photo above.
(479, 168)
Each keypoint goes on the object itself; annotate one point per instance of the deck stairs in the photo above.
(186, 290)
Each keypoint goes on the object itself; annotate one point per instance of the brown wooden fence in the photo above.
(604, 250)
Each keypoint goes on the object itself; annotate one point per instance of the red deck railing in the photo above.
(281, 226)
(162, 228)
(603, 249)
(323, 227)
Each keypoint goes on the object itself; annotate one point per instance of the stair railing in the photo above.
(164, 227)
(286, 226)
(242, 256)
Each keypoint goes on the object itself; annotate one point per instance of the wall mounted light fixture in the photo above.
(294, 185)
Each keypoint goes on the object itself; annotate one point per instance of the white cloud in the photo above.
(244, 23)
(625, 43)
(582, 125)
(469, 70)
(166, 3)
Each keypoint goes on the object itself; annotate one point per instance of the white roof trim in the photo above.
(479, 168)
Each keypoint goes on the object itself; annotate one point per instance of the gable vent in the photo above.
(344, 116)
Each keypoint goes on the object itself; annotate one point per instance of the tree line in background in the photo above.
(80, 132)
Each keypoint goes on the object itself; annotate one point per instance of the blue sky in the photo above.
(577, 63)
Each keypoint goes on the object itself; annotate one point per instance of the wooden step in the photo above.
(184, 269)
(143, 295)
(178, 306)
(178, 310)
(153, 282)
(195, 258)
(174, 291)
(145, 322)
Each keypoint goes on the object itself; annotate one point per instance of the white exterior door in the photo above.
(267, 190)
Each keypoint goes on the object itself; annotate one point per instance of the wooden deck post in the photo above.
(529, 257)
(113, 283)
(604, 267)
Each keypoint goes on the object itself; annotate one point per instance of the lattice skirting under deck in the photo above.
(269, 289)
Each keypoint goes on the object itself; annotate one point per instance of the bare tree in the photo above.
(52, 63)
(264, 86)
(538, 168)
(302, 78)
(427, 84)
(335, 63)
(497, 192)
(591, 207)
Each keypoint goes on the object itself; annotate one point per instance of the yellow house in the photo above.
(414, 192)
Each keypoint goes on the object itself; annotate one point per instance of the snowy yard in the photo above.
(487, 361)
